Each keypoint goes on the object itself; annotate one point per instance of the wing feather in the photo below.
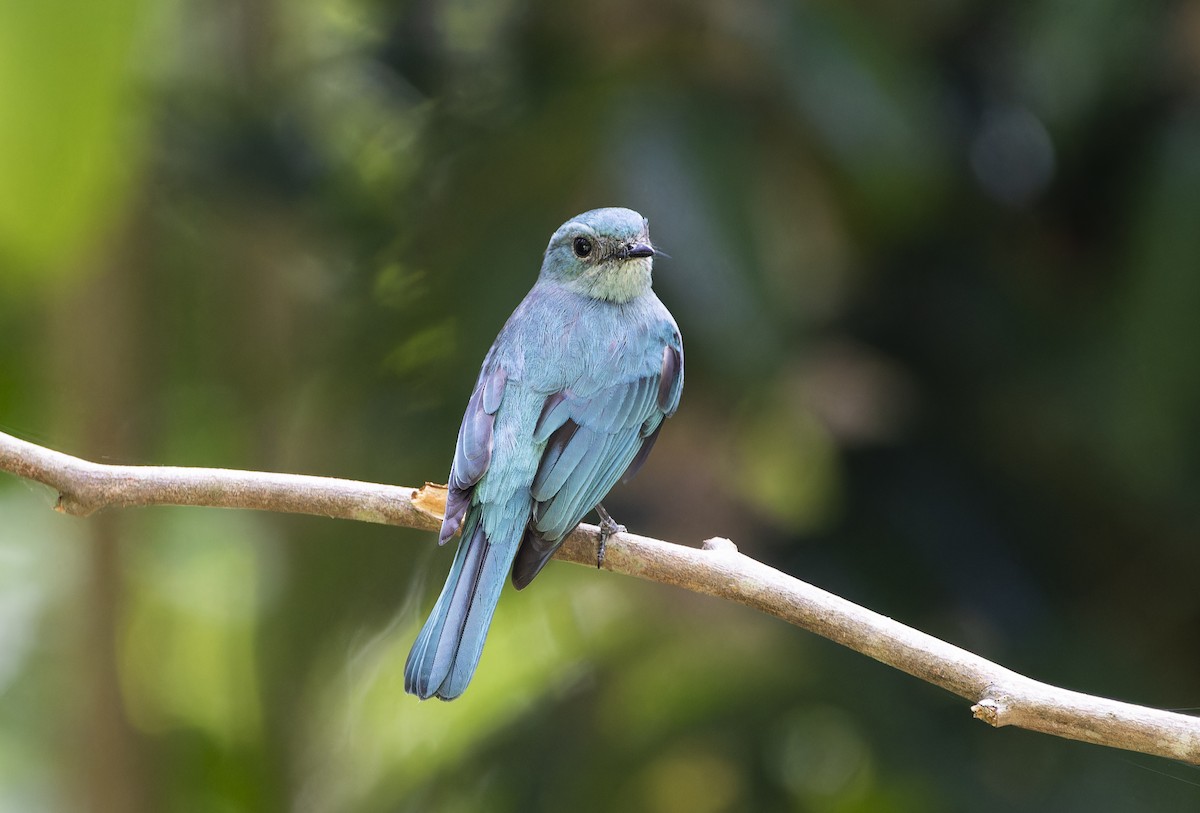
(670, 382)
(473, 451)
(591, 440)
(582, 492)
(555, 413)
(557, 465)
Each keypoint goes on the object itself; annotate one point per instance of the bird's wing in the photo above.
(473, 452)
(670, 387)
(591, 440)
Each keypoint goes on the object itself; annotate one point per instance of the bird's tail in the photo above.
(445, 655)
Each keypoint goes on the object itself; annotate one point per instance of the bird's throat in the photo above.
(618, 280)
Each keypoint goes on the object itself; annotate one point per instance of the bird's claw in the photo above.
(608, 527)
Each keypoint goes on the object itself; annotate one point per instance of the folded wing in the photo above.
(591, 441)
(473, 452)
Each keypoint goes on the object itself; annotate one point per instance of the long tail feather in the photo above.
(447, 650)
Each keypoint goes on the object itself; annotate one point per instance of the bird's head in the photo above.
(604, 254)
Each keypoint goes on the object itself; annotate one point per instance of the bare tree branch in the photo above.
(999, 696)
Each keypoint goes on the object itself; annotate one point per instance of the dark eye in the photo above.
(582, 246)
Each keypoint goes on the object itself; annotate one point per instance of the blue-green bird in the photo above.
(570, 398)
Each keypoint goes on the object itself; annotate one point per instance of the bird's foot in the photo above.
(608, 527)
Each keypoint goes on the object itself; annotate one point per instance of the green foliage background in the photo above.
(937, 266)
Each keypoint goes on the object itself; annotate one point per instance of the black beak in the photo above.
(639, 250)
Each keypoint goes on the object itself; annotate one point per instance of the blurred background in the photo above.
(937, 267)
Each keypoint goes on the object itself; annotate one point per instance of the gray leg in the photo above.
(608, 527)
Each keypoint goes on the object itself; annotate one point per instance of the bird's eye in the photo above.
(582, 246)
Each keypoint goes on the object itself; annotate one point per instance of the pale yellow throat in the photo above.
(618, 280)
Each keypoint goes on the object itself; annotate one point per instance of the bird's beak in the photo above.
(639, 250)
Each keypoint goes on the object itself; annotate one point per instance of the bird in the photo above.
(570, 399)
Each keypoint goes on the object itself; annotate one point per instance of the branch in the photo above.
(1000, 697)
